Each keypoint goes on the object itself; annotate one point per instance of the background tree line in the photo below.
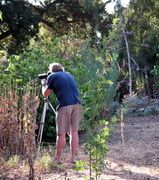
(22, 24)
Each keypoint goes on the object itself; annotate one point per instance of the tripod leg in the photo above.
(39, 138)
(52, 108)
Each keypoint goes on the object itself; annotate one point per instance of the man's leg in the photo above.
(74, 140)
(60, 143)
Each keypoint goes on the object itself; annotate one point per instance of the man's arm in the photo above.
(46, 92)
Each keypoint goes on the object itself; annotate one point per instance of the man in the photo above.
(69, 108)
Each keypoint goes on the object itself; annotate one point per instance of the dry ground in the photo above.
(139, 160)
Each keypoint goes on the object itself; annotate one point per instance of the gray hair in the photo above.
(54, 67)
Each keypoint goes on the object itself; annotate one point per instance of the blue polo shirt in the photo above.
(64, 87)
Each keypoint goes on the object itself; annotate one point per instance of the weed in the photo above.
(13, 161)
(18, 123)
(45, 163)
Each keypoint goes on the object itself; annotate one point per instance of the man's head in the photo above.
(54, 67)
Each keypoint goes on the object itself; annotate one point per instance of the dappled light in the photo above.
(121, 170)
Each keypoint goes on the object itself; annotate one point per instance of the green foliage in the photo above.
(0, 15)
(25, 67)
(96, 129)
(22, 21)
(93, 61)
(2, 54)
(140, 22)
(97, 93)
(79, 166)
(155, 70)
(151, 110)
(141, 18)
(155, 73)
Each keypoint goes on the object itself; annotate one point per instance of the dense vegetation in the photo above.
(106, 53)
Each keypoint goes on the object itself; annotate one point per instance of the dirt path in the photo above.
(138, 161)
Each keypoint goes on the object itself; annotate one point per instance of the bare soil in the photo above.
(134, 157)
(139, 159)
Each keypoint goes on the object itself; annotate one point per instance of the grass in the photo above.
(13, 161)
(43, 163)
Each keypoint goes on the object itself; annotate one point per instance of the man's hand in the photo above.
(46, 92)
(43, 82)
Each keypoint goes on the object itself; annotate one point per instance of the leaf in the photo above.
(77, 163)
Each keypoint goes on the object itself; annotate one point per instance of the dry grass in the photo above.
(18, 123)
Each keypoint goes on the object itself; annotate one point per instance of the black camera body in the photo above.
(44, 76)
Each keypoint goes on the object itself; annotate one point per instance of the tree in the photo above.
(143, 19)
(140, 24)
(18, 24)
(126, 44)
(21, 20)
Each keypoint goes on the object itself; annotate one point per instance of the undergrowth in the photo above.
(18, 124)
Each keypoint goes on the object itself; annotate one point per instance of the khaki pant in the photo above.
(68, 118)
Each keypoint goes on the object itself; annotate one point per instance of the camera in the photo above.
(44, 76)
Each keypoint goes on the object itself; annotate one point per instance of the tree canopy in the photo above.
(143, 21)
(23, 24)
(21, 20)
(140, 22)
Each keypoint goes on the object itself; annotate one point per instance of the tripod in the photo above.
(46, 104)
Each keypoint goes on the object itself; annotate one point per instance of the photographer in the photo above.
(69, 108)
